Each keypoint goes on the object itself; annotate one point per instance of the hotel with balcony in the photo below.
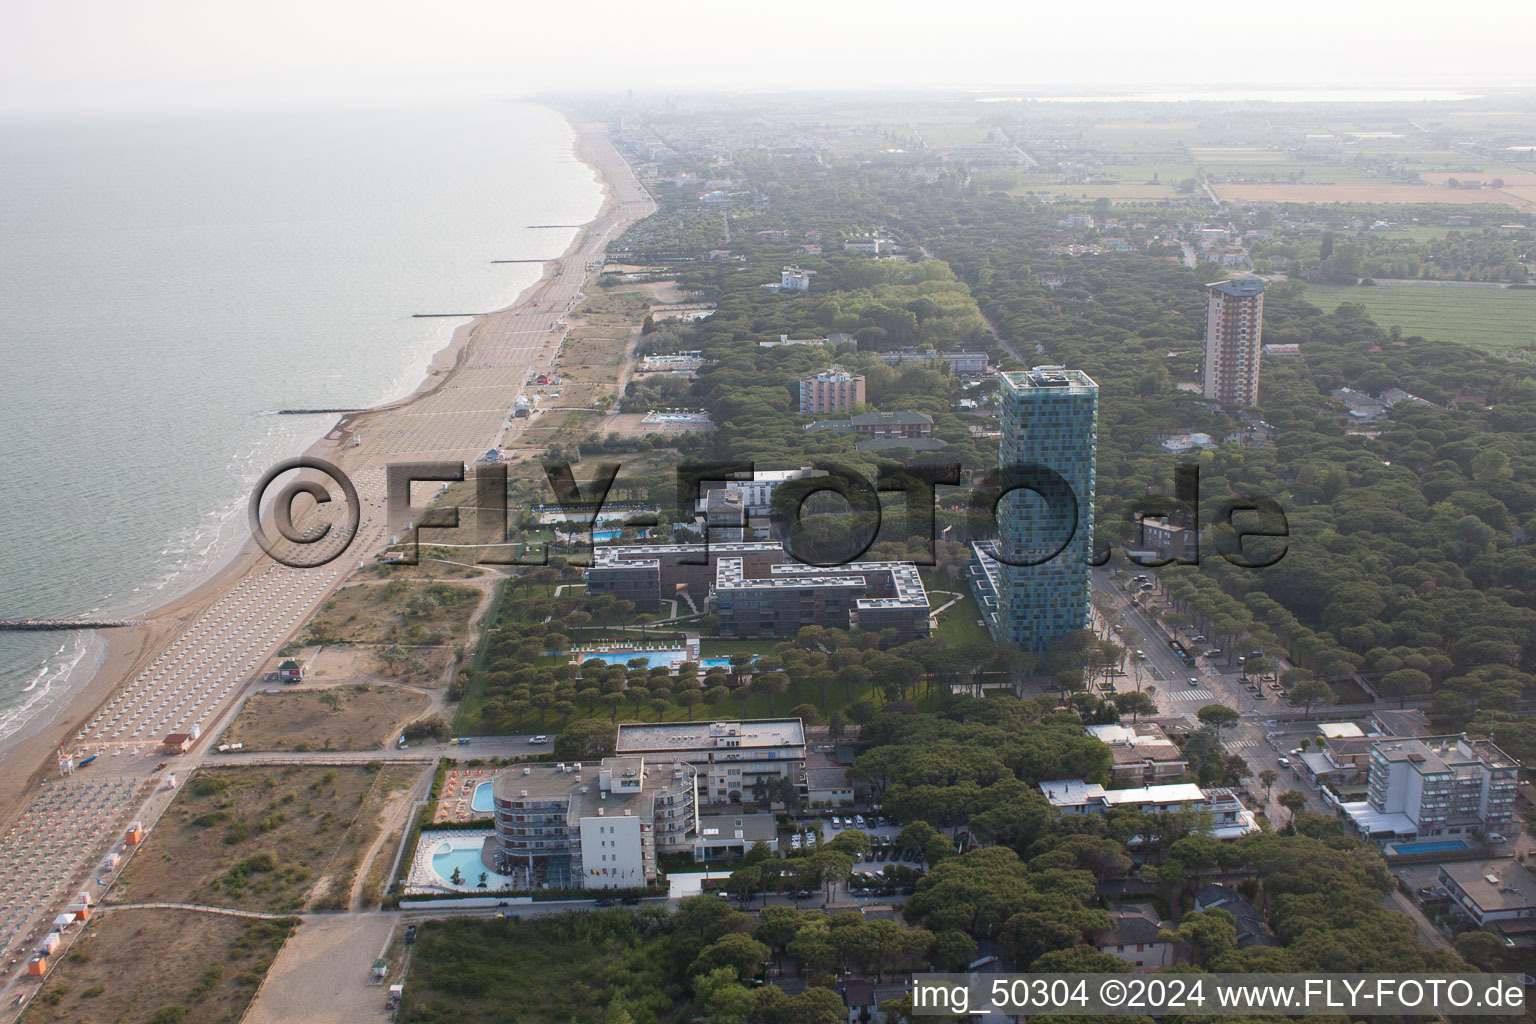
(594, 826)
(1435, 786)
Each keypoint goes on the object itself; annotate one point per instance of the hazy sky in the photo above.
(59, 54)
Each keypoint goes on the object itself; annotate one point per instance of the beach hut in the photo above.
(38, 965)
(113, 860)
(170, 781)
(290, 671)
(84, 897)
(177, 743)
(51, 943)
(135, 833)
(380, 969)
(63, 921)
(80, 911)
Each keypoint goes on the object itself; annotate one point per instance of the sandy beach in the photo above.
(510, 340)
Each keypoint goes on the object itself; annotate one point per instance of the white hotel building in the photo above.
(1435, 786)
(729, 757)
(594, 826)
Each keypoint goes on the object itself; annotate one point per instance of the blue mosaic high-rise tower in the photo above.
(1050, 419)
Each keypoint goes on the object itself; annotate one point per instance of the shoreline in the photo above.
(29, 755)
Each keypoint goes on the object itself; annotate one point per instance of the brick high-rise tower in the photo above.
(1234, 322)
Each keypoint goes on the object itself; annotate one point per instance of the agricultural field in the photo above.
(358, 717)
(1493, 318)
(950, 133)
(274, 839)
(1127, 192)
(1379, 193)
(159, 966)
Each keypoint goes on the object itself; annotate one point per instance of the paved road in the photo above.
(1258, 737)
(479, 746)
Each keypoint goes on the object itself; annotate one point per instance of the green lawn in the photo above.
(958, 623)
(1494, 318)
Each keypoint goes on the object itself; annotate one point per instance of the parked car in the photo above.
(539, 739)
(1197, 640)
(802, 894)
(606, 901)
(630, 901)
(410, 935)
(1494, 837)
(858, 821)
(837, 823)
(1284, 762)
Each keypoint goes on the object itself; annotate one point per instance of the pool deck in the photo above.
(456, 800)
(424, 877)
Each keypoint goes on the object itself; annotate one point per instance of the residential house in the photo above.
(1229, 819)
(1252, 928)
(1144, 755)
(1134, 937)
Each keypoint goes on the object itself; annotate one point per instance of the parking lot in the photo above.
(883, 839)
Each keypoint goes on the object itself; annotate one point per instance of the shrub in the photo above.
(207, 785)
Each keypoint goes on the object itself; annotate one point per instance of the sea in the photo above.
(169, 281)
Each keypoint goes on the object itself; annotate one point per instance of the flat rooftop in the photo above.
(1133, 744)
(637, 737)
(904, 577)
(1513, 887)
(628, 554)
(562, 781)
(733, 828)
(1049, 377)
(1075, 792)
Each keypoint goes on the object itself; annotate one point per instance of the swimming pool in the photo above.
(1430, 846)
(463, 852)
(655, 659)
(481, 801)
(606, 535)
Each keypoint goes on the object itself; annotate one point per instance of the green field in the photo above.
(1495, 318)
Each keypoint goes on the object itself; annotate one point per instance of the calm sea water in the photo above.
(166, 282)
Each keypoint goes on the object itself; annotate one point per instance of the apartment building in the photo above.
(645, 573)
(1434, 786)
(1234, 327)
(594, 826)
(728, 757)
(833, 390)
(1168, 537)
(891, 424)
(869, 596)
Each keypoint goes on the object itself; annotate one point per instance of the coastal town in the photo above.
(883, 543)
